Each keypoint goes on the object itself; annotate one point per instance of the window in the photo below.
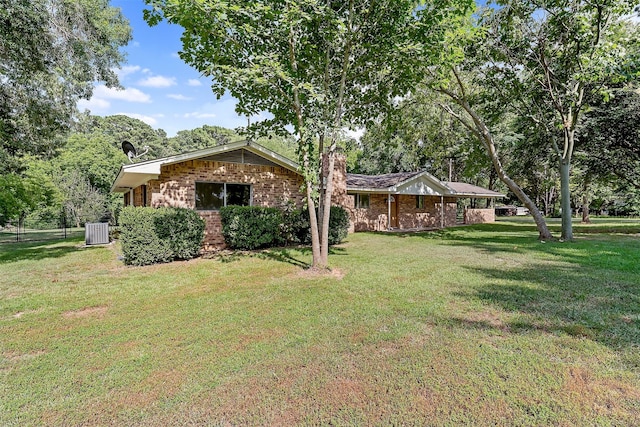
(419, 202)
(214, 195)
(361, 201)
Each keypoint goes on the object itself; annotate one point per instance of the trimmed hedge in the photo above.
(151, 236)
(338, 225)
(251, 227)
(254, 227)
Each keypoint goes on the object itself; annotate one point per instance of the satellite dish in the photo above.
(131, 151)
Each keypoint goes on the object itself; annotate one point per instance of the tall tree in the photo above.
(545, 59)
(51, 53)
(316, 65)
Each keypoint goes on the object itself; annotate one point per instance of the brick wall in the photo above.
(271, 186)
(479, 216)
(375, 218)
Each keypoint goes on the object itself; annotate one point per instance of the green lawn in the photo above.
(477, 325)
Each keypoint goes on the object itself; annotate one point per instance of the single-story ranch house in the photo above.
(245, 173)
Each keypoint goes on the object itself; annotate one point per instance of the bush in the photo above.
(141, 244)
(251, 227)
(338, 225)
(151, 236)
(183, 229)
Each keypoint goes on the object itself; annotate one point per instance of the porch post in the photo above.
(131, 202)
(441, 211)
(388, 212)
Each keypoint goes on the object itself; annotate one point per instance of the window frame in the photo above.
(420, 199)
(224, 192)
(357, 200)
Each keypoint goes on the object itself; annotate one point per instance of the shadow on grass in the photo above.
(34, 251)
(602, 305)
(589, 288)
(294, 256)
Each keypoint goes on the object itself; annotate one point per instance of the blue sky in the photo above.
(159, 88)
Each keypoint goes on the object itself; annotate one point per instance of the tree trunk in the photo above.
(326, 205)
(565, 199)
(482, 132)
(585, 202)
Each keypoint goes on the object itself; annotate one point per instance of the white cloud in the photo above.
(199, 115)
(175, 55)
(93, 104)
(157, 81)
(126, 70)
(194, 82)
(147, 119)
(128, 94)
(179, 97)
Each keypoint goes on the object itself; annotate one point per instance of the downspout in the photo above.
(441, 211)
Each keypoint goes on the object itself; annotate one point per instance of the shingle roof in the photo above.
(461, 188)
(378, 181)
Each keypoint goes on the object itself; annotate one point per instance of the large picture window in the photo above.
(211, 196)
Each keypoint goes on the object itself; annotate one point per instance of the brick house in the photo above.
(245, 173)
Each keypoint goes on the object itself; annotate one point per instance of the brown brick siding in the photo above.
(375, 218)
(479, 216)
(271, 186)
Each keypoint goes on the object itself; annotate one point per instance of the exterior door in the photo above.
(394, 211)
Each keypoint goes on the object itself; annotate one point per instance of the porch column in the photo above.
(441, 211)
(131, 201)
(388, 212)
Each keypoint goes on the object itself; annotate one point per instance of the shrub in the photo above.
(251, 227)
(141, 244)
(183, 229)
(151, 236)
(338, 225)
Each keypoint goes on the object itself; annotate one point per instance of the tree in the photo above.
(609, 135)
(316, 65)
(469, 113)
(545, 60)
(18, 198)
(82, 202)
(419, 135)
(51, 53)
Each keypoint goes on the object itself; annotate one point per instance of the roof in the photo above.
(378, 181)
(462, 189)
(414, 183)
(136, 174)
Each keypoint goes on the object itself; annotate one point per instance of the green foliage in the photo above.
(52, 52)
(298, 222)
(16, 198)
(251, 227)
(420, 135)
(151, 236)
(254, 227)
(316, 66)
(183, 229)
(141, 244)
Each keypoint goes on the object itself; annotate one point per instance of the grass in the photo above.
(479, 325)
(9, 235)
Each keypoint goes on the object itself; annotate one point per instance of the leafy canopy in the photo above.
(51, 53)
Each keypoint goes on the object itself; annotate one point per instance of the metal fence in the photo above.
(37, 229)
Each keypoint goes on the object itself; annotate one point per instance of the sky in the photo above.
(159, 88)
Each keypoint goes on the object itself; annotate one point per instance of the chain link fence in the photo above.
(38, 229)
